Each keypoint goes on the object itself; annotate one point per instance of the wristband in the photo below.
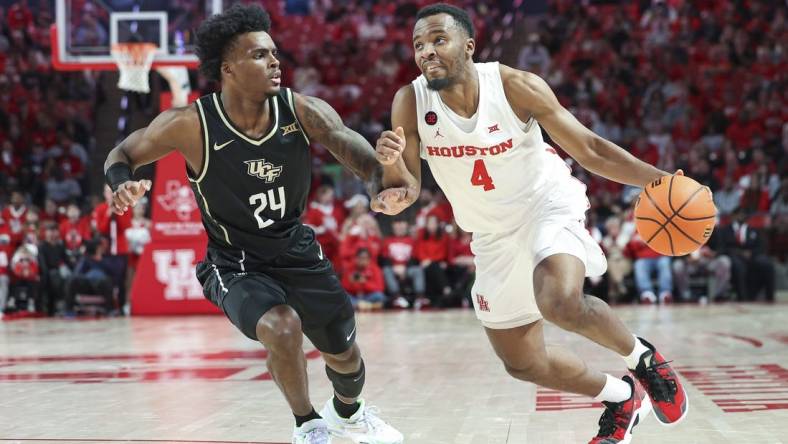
(116, 174)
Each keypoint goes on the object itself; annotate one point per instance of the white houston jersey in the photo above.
(497, 172)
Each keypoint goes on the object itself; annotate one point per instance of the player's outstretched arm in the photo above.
(398, 151)
(323, 125)
(171, 130)
(531, 96)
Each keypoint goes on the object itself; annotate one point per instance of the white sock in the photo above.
(633, 358)
(615, 390)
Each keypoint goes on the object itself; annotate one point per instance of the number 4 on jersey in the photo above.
(480, 177)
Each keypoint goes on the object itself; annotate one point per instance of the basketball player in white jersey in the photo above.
(477, 125)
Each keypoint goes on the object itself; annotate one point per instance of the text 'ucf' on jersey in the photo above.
(496, 171)
(251, 192)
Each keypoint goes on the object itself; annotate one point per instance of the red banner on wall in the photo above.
(165, 281)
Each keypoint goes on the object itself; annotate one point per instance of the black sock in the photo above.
(302, 419)
(345, 410)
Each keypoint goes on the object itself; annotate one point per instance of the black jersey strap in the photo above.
(291, 105)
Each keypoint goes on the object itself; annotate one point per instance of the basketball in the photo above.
(675, 215)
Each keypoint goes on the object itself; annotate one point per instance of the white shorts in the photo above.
(503, 294)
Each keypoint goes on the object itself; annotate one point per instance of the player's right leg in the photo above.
(558, 285)
(525, 357)
(255, 303)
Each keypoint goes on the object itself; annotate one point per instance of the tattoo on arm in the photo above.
(324, 125)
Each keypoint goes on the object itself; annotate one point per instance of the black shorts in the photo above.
(300, 277)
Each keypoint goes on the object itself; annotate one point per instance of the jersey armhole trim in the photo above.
(205, 142)
(208, 212)
(524, 127)
(291, 102)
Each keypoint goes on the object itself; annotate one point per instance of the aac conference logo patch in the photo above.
(431, 118)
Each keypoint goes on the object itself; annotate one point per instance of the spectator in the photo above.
(55, 269)
(15, 215)
(25, 276)
(371, 29)
(360, 230)
(432, 251)
(433, 203)
(112, 227)
(534, 57)
(400, 265)
(52, 213)
(61, 188)
(6, 251)
(325, 216)
(657, 22)
(75, 229)
(646, 263)
(31, 232)
(778, 242)
(10, 162)
(462, 268)
(705, 263)
(618, 264)
(755, 198)
(779, 206)
(138, 236)
(364, 282)
(752, 269)
(727, 199)
(92, 275)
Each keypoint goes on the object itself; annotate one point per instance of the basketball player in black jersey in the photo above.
(248, 161)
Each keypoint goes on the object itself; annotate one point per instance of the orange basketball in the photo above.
(675, 215)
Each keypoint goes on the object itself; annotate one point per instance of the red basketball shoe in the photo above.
(620, 418)
(662, 385)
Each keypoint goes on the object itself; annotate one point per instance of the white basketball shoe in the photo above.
(364, 427)
(314, 431)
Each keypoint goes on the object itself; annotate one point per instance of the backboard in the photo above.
(85, 30)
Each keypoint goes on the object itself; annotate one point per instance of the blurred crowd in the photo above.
(696, 85)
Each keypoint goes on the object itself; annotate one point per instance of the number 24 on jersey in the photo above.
(268, 199)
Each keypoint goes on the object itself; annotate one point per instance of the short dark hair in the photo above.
(460, 16)
(216, 35)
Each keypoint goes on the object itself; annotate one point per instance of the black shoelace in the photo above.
(607, 423)
(662, 389)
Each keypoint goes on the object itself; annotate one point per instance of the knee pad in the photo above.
(347, 385)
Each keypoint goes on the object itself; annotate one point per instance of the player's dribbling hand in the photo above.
(391, 201)
(390, 145)
(128, 194)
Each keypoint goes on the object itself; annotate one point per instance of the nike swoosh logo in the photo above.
(351, 333)
(217, 147)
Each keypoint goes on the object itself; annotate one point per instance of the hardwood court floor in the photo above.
(433, 374)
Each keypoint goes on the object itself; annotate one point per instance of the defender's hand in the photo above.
(391, 201)
(128, 194)
(390, 145)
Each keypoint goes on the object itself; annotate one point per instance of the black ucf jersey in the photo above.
(251, 192)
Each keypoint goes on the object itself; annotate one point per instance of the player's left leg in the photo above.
(558, 287)
(346, 414)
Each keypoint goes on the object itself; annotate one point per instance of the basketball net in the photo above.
(134, 61)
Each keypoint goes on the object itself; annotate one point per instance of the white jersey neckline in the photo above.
(467, 125)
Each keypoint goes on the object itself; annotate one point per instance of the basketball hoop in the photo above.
(134, 61)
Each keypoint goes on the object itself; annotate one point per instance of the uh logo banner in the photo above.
(165, 282)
